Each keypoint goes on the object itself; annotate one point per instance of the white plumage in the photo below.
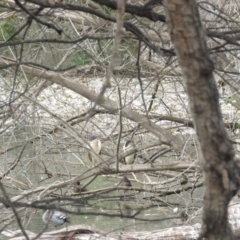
(129, 145)
(95, 144)
(55, 217)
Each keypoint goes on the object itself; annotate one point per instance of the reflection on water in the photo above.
(121, 217)
(116, 210)
(114, 213)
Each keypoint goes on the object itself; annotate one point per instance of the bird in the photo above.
(129, 145)
(96, 146)
(124, 182)
(183, 179)
(77, 188)
(55, 217)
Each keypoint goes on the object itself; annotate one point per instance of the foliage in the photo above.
(82, 58)
(7, 29)
(107, 10)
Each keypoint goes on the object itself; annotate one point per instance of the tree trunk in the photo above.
(220, 169)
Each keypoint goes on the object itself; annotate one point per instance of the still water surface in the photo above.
(109, 212)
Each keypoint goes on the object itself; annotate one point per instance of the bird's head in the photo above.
(127, 143)
(91, 138)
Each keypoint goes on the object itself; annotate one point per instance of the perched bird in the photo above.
(124, 182)
(78, 188)
(55, 217)
(96, 146)
(184, 179)
(129, 145)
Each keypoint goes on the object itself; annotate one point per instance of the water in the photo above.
(47, 162)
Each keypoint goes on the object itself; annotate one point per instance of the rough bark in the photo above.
(220, 169)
